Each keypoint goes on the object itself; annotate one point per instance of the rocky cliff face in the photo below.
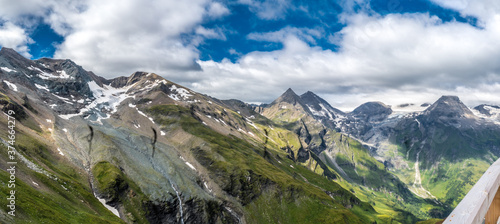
(422, 147)
(292, 111)
(452, 146)
(319, 127)
(56, 82)
(322, 110)
(419, 147)
(448, 107)
(154, 152)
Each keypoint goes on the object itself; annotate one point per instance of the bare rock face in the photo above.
(372, 111)
(57, 82)
(291, 98)
(322, 110)
(448, 107)
(158, 152)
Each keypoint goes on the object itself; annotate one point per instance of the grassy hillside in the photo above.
(50, 190)
(373, 183)
(451, 159)
(261, 178)
(330, 152)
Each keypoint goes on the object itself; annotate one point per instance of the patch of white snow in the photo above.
(42, 87)
(11, 85)
(190, 165)
(7, 69)
(110, 208)
(60, 152)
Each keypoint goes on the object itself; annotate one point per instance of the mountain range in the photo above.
(143, 149)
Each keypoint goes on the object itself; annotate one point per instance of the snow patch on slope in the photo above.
(7, 69)
(46, 76)
(140, 112)
(180, 93)
(107, 98)
(11, 85)
(190, 165)
(60, 152)
(143, 114)
(63, 75)
(42, 87)
(494, 114)
(110, 208)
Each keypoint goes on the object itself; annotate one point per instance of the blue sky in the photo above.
(244, 20)
(348, 52)
(322, 15)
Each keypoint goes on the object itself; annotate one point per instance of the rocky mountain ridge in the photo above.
(158, 152)
(153, 151)
(415, 146)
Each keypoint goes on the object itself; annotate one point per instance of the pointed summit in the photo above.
(309, 97)
(318, 104)
(288, 97)
(288, 107)
(450, 107)
(289, 93)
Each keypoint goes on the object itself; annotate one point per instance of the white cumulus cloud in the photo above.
(484, 10)
(393, 58)
(15, 37)
(118, 37)
(217, 10)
